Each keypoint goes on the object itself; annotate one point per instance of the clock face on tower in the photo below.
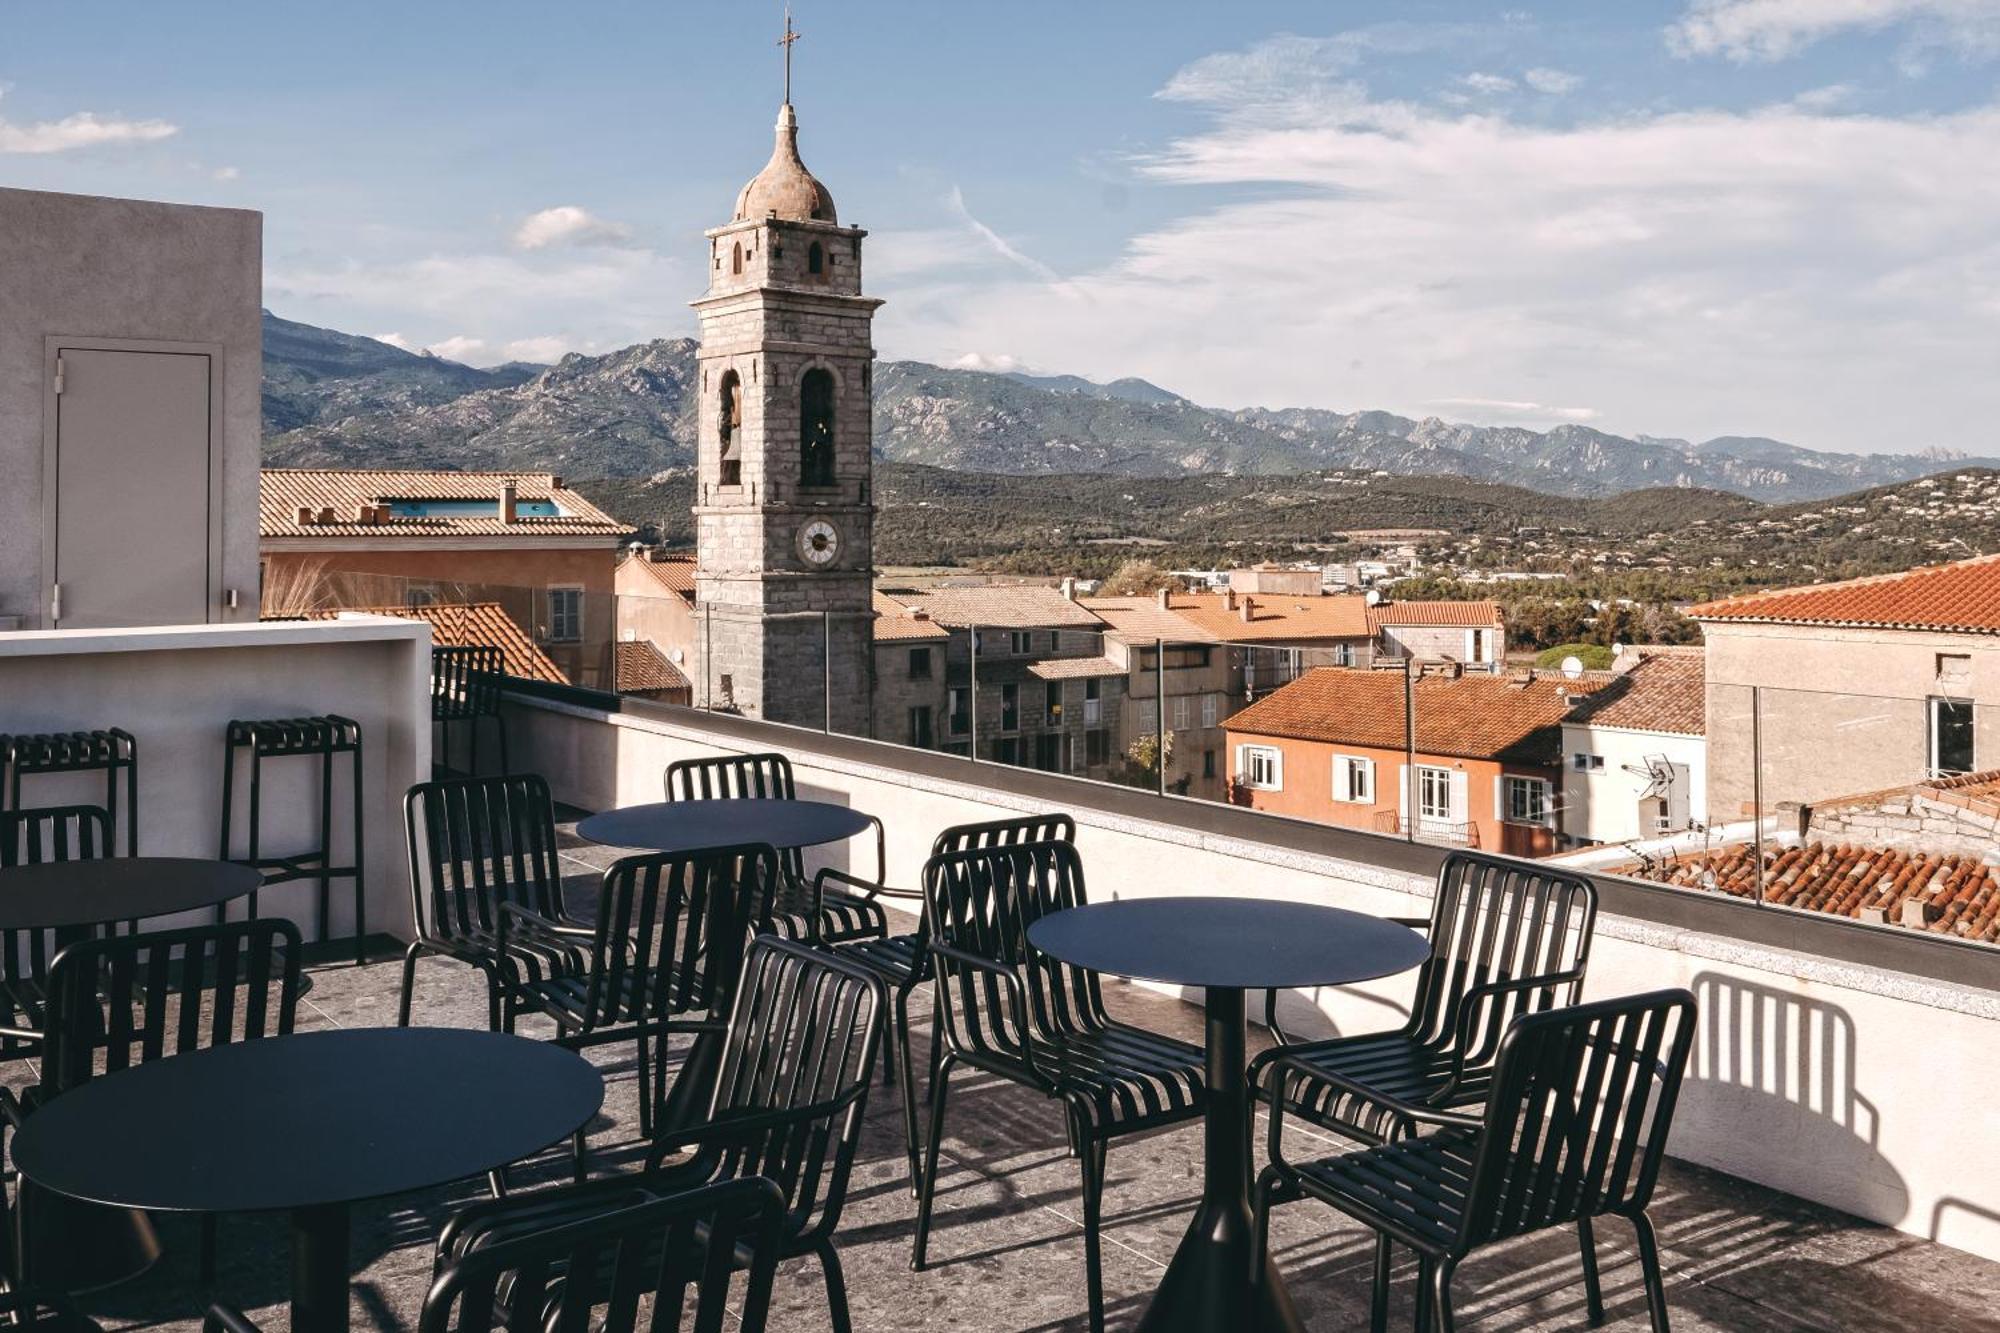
(819, 542)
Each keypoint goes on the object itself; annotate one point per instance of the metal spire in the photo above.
(786, 42)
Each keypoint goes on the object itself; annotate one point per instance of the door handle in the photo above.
(55, 604)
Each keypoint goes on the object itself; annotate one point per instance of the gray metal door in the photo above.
(132, 488)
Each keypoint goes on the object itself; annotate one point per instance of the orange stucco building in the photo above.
(1481, 769)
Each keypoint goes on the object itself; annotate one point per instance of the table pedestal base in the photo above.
(1209, 1285)
(320, 1269)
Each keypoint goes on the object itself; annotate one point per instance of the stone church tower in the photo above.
(784, 505)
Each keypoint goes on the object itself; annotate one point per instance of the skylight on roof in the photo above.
(470, 508)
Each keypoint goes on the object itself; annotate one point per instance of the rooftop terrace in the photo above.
(1006, 1252)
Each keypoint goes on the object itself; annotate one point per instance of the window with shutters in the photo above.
(1260, 767)
(1353, 779)
(1525, 801)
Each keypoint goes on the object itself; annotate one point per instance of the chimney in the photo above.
(307, 516)
(1069, 588)
(325, 515)
(367, 513)
(1166, 602)
(1229, 599)
(1249, 609)
(509, 497)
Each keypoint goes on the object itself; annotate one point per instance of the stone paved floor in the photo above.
(1006, 1245)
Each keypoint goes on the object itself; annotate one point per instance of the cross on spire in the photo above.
(786, 42)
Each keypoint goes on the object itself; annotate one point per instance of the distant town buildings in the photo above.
(1635, 753)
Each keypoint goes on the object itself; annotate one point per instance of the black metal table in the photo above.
(69, 895)
(311, 1124)
(693, 826)
(1226, 946)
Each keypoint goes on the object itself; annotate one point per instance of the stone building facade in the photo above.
(784, 508)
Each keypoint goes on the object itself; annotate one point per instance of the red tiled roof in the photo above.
(1275, 617)
(470, 625)
(285, 491)
(1001, 607)
(1074, 668)
(641, 668)
(1949, 895)
(674, 573)
(1469, 717)
(895, 623)
(1138, 618)
(1663, 693)
(1442, 615)
(1963, 596)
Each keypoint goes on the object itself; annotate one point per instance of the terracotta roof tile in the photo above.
(1074, 668)
(1946, 895)
(1136, 618)
(1276, 617)
(471, 625)
(894, 623)
(1662, 693)
(1445, 615)
(1001, 607)
(1963, 596)
(1469, 717)
(674, 574)
(285, 491)
(642, 668)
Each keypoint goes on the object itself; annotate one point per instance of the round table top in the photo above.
(307, 1120)
(58, 894)
(1246, 943)
(692, 826)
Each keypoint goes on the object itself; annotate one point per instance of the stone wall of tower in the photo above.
(770, 616)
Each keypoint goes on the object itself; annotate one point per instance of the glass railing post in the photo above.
(1757, 787)
(1160, 716)
(972, 694)
(826, 671)
(1412, 792)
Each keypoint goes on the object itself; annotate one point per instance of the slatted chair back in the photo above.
(123, 1000)
(803, 1037)
(1005, 833)
(766, 777)
(994, 991)
(478, 842)
(54, 833)
(595, 1274)
(671, 931)
(1583, 1099)
(465, 682)
(1496, 921)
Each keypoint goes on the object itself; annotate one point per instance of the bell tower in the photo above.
(784, 507)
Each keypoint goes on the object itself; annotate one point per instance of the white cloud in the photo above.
(546, 350)
(85, 129)
(1774, 29)
(568, 225)
(1489, 83)
(996, 363)
(1829, 279)
(226, 174)
(395, 340)
(1824, 98)
(998, 244)
(1554, 82)
(459, 348)
(1499, 411)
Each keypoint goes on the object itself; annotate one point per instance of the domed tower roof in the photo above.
(784, 188)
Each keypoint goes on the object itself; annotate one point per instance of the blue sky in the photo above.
(1676, 217)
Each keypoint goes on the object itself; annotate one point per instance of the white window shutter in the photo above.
(1403, 792)
(1367, 780)
(1500, 797)
(1461, 811)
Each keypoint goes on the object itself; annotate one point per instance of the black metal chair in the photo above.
(476, 843)
(1008, 1010)
(116, 1001)
(34, 837)
(44, 1310)
(593, 1272)
(324, 738)
(665, 957)
(787, 1106)
(806, 909)
(1575, 1126)
(465, 687)
(112, 751)
(1507, 938)
(904, 964)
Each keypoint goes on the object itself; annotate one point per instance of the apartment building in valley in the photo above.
(1480, 768)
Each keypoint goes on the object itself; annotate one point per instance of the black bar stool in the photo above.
(287, 738)
(111, 751)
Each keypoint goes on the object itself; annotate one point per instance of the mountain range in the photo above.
(338, 400)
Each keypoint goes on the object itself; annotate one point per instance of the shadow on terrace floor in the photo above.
(1006, 1244)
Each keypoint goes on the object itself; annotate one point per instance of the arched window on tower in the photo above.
(736, 259)
(816, 429)
(729, 429)
(815, 259)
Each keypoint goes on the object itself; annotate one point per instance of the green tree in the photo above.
(1138, 578)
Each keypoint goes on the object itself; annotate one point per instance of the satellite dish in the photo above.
(1372, 597)
(677, 655)
(1572, 667)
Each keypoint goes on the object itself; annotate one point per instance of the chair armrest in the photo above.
(1017, 995)
(1278, 1064)
(868, 888)
(534, 918)
(21, 1034)
(1473, 1007)
(224, 1318)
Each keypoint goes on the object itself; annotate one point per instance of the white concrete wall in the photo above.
(176, 689)
(1602, 804)
(77, 266)
(1868, 1090)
